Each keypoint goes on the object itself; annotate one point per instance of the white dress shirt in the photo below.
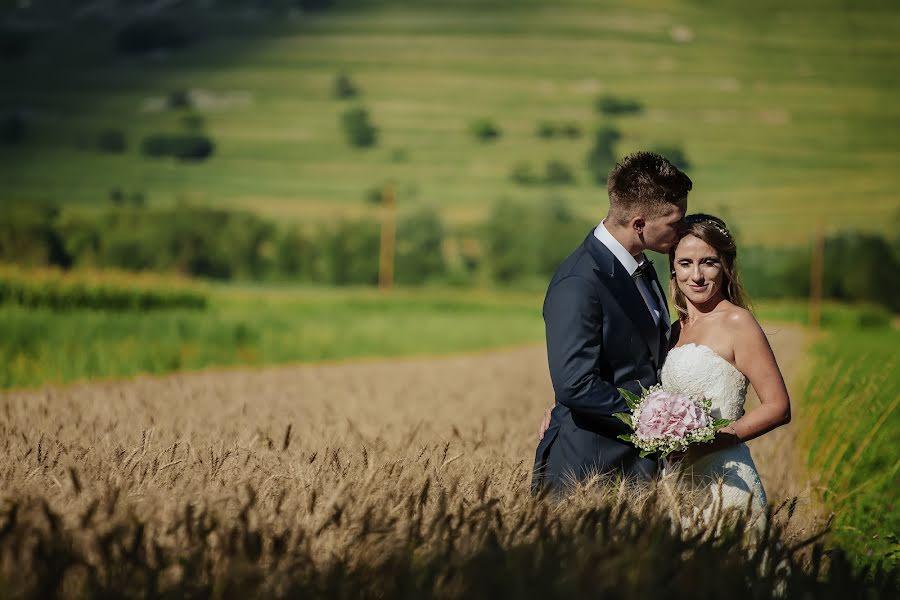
(631, 264)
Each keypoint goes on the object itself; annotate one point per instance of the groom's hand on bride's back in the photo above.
(545, 423)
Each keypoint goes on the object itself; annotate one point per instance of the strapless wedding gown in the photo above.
(697, 369)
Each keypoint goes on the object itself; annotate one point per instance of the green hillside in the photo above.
(787, 115)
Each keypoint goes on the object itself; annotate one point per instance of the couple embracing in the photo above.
(608, 327)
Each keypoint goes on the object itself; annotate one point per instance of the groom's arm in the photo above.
(573, 318)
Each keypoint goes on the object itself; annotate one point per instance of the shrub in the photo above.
(112, 141)
(523, 241)
(188, 147)
(358, 128)
(28, 236)
(508, 250)
(296, 255)
(149, 35)
(59, 291)
(13, 129)
(774, 272)
(612, 105)
(558, 172)
(570, 130)
(192, 147)
(523, 174)
(344, 87)
(420, 242)
(861, 267)
(856, 266)
(117, 196)
(485, 130)
(179, 99)
(375, 194)
(601, 157)
(350, 253)
(546, 130)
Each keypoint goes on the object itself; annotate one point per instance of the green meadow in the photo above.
(250, 327)
(787, 114)
(853, 438)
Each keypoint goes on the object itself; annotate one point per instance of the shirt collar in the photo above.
(618, 250)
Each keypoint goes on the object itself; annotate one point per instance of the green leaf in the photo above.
(720, 423)
(645, 453)
(631, 399)
(626, 437)
(625, 418)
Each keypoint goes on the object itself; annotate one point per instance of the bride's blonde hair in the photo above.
(714, 232)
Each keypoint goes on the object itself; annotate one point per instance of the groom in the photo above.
(607, 325)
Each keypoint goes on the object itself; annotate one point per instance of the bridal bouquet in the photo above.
(663, 422)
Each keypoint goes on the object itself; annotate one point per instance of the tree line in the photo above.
(518, 245)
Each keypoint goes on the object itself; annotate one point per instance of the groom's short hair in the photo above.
(645, 183)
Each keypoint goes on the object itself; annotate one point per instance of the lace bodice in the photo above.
(697, 369)
(729, 475)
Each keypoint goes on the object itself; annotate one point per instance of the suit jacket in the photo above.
(600, 337)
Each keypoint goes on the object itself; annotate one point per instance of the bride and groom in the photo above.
(608, 327)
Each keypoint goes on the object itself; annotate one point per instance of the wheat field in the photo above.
(383, 478)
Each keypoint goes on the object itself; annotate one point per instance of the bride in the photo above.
(717, 348)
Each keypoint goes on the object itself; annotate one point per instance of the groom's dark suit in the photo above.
(600, 336)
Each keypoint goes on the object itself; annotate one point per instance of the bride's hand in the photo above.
(545, 423)
(725, 438)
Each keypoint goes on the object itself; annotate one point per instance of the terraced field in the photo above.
(785, 112)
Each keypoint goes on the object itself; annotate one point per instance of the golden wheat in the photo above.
(400, 478)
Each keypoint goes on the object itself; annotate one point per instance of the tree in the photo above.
(601, 157)
(358, 128)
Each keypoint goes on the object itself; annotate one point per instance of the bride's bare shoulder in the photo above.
(741, 322)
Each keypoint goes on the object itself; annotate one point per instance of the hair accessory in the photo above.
(710, 220)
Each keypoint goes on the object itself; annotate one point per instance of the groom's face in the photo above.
(661, 233)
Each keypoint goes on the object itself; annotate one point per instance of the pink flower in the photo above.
(668, 415)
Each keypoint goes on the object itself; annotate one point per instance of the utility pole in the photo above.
(816, 272)
(388, 237)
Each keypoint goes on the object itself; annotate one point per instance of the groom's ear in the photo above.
(638, 224)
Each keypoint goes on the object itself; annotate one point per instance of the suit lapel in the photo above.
(623, 289)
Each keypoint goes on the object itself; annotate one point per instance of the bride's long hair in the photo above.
(714, 232)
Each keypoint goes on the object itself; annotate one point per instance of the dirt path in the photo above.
(777, 457)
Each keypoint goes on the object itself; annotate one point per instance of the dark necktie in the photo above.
(643, 273)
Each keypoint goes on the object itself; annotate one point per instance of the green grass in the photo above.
(853, 438)
(833, 314)
(786, 112)
(255, 325)
(251, 327)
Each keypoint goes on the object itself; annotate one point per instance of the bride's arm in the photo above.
(754, 358)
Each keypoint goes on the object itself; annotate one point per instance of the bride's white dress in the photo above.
(697, 369)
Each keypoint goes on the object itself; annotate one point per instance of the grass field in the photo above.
(252, 327)
(786, 113)
(256, 325)
(854, 438)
